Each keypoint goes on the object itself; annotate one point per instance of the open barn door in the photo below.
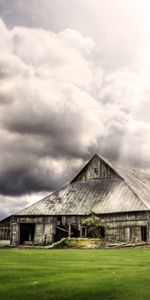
(144, 233)
(27, 233)
(61, 232)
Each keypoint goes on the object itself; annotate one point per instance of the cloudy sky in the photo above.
(74, 80)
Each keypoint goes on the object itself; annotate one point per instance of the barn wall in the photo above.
(96, 169)
(118, 227)
(127, 227)
(5, 229)
(14, 233)
(45, 227)
(121, 227)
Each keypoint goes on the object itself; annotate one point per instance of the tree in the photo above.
(92, 226)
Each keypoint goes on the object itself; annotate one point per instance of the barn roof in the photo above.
(128, 191)
(137, 181)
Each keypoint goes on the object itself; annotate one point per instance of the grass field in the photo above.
(74, 274)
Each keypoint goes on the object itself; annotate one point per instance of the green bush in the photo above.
(93, 226)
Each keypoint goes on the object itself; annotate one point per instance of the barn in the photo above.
(103, 190)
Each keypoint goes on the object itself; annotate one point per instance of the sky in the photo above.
(74, 81)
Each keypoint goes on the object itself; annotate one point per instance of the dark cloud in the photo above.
(57, 108)
(25, 178)
(44, 128)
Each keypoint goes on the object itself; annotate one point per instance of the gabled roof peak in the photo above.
(130, 192)
(137, 181)
(96, 168)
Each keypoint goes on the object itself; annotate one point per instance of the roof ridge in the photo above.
(134, 169)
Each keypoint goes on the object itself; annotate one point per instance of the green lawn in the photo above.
(74, 274)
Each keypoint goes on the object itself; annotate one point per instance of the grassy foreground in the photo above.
(74, 274)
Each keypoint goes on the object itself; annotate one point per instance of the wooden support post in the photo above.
(62, 229)
(85, 231)
(80, 231)
(69, 230)
(29, 236)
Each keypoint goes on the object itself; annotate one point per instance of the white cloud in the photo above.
(58, 107)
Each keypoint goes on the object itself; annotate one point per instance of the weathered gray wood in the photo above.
(118, 196)
(118, 227)
(96, 169)
(62, 229)
(69, 230)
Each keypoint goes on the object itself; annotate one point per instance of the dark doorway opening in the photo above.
(61, 232)
(27, 232)
(91, 232)
(75, 231)
(143, 233)
(102, 232)
(59, 220)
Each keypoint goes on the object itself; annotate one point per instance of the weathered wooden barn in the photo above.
(119, 197)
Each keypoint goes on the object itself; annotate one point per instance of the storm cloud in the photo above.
(59, 105)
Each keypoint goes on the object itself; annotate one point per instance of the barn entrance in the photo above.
(65, 231)
(75, 231)
(27, 232)
(61, 232)
(144, 233)
(102, 232)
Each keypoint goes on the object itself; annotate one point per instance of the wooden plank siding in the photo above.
(119, 227)
(96, 169)
(5, 229)
(118, 196)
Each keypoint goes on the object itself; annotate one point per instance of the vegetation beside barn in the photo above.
(113, 199)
